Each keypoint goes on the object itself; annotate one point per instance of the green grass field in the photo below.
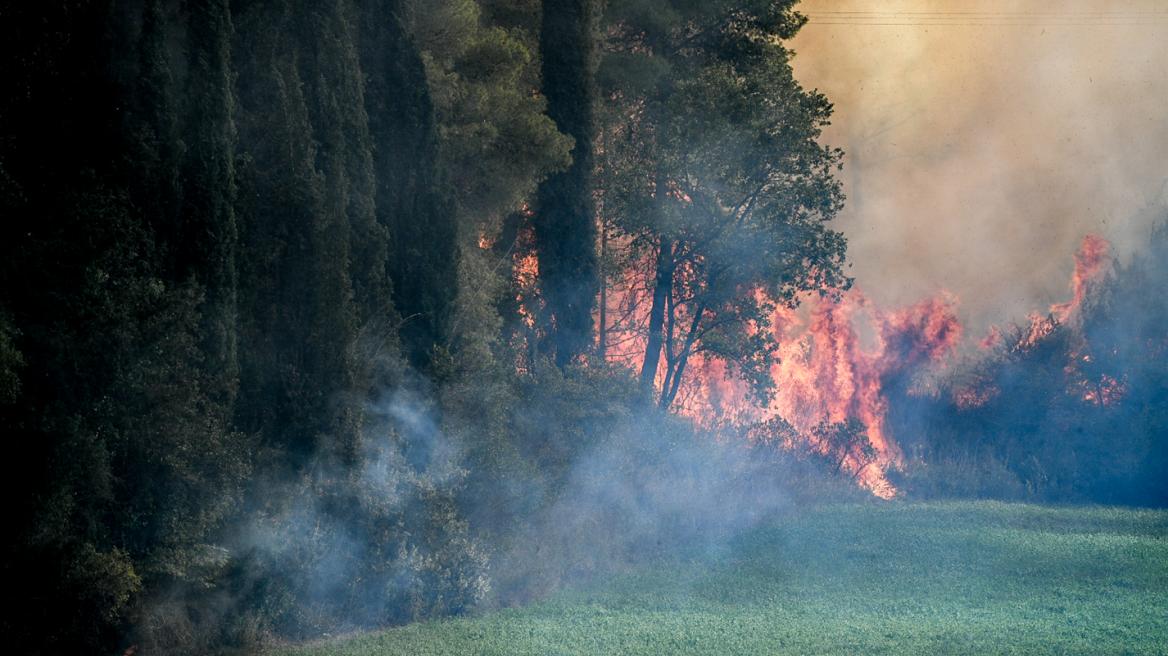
(945, 578)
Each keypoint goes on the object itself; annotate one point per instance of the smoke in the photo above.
(336, 545)
(654, 488)
(982, 147)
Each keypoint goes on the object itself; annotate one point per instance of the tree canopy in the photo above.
(716, 179)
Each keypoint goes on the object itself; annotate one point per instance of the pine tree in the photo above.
(717, 179)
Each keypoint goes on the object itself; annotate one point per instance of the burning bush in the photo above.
(1065, 407)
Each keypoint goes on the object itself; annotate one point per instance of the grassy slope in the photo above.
(949, 578)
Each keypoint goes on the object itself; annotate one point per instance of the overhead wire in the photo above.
(977, 18)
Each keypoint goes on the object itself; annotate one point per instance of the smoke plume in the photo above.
(984, 139)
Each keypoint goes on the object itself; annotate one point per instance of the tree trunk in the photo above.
(602, 328)
(669, 391)
(664, 283)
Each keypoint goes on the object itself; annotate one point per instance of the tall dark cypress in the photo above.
(154, 149)
(282, 208)
(333, 99)
(411, 203)
(51, 65)
(315, 260)
(565, 223)
(209, 228)
(132, 464)
(346, 151)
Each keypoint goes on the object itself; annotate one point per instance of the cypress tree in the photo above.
(209, 232)
(154, 150)
(304, 181)
(282, 201)
(565, 218)
(341, 128)
(334, 102)
(132, 463)
(56, 60)
(418, 216)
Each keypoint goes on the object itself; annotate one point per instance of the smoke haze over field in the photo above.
(984, 143)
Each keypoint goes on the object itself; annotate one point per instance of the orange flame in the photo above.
(1091, 260)
(968, 398)
(1089, 263)
(824, 374)
(827, 373)
(1106, 392)
(525, 291)
(992, 339)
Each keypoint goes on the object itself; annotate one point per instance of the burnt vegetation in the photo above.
(298, 307)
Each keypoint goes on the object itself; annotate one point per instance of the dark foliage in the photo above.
(297, 295)
(412, 202)
(565, 216)
(193, 259)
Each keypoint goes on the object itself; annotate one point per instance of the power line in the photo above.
(990, 13)
(989, 24)
(1038, 18)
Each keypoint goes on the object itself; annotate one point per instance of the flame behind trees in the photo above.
(839, 364)
(714, 179)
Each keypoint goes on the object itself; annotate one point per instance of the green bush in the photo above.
(952, 478)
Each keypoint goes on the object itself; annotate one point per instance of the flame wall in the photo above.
(836, 357)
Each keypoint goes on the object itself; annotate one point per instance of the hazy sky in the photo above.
(985, 138)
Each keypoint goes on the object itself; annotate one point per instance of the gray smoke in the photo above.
(982, 147)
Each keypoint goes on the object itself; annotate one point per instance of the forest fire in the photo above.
(827, 375)
(837, 357)
(1090, 261)
(824, 374)
(320, 319)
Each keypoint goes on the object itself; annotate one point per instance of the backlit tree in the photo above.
(715, 179)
